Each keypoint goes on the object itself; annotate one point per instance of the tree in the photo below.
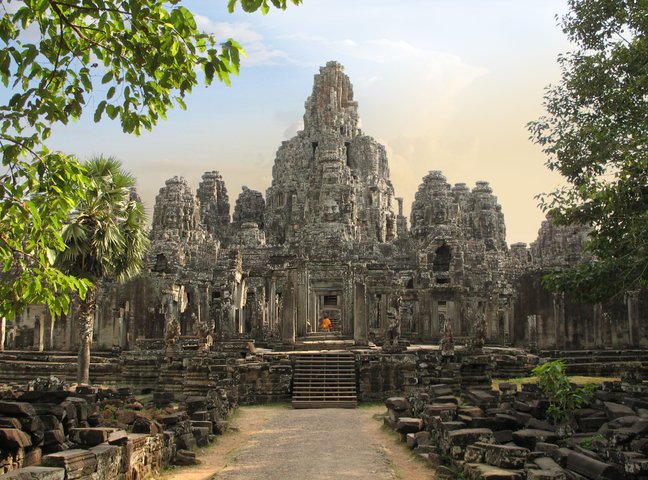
(595, 133)
(133, 60)
(104, 238)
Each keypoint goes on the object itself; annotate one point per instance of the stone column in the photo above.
(40, 333)
(272, 305)
(559, 319)
(632, 301)
(288, 320)
(302, 302)
(360, 331)
(348, 305)
(3, 331)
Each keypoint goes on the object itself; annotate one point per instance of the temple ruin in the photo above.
(330, 239)
(229, 311)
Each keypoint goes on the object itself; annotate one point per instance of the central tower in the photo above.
(330, 183)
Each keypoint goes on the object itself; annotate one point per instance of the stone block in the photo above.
(410, 440)
(409, 425)
(17, 409)
(591, 424)
(547, 464)
(89, 437)
(505, 456)
(10, 422)
(13, 439)
(77, 463)
(54, 436)
(616, 410)
(398, 404)
(186, 442)
(545, 475)
(49, 409)
(528, 437)
(33, 456)
(503, 436)
(206, 424)
(480, 471)
(185, 457)
(108, 460)
(35, 473)
(456, 441)
(201, 434)
(592, 468)
(50, 422)
(440, 390)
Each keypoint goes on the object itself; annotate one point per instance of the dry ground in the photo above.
(277, 442)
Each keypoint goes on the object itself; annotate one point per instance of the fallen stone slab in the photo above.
(17, 409)
(13, 439)
(407, 425)
(456, 441)
(528, 437)
(108, 460)
(592, 468)
(77, 463)
(54, 436)
(533, 474)
(35, 473)
(10, 422)
(505, 456)
(397, 403)
(89, 437)
(185, 457)
(480, 471)
(616, 410)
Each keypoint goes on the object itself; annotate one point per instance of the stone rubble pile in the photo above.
(97, 434)
(506, 434)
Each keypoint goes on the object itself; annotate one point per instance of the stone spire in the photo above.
(176, 210)
(330, 108)
(214, 203)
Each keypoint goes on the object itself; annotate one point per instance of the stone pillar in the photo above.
(3, 331)
(302, 302)
(632, 301)
(288, 320)
(348, 305)
(360, 331)
(272, 305)
(40, 333)
(559, 319)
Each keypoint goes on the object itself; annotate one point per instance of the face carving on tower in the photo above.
(330, 210)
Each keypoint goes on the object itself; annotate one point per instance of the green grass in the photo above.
(577, 379)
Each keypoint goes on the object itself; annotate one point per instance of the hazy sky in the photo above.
(444, 84)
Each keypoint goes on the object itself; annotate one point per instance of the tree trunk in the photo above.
(3, 330)
(86, 325)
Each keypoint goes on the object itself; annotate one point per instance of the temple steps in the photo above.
(324, 380)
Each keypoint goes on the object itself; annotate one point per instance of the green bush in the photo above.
(563, 397)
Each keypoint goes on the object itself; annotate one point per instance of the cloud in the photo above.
(258, 52)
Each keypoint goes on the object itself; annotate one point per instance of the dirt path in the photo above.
(277, 442)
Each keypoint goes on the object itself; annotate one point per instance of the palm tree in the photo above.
(105, 238)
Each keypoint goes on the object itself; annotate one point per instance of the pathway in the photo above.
(277, 443)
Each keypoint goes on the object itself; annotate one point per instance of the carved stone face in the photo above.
(330, 210)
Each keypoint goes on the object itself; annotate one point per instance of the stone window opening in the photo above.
(347, 147)
(161, 263)
(442, 259)
(330, 300)
(314, 144)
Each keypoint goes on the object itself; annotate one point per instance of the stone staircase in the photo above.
(324, 380)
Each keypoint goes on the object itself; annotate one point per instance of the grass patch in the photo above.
(577, 379)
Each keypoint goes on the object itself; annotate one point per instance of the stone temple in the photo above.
(329, 239)
(423, 312)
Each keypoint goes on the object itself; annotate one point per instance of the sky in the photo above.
(444, 84)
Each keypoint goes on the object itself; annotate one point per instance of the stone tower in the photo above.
(330, 183)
